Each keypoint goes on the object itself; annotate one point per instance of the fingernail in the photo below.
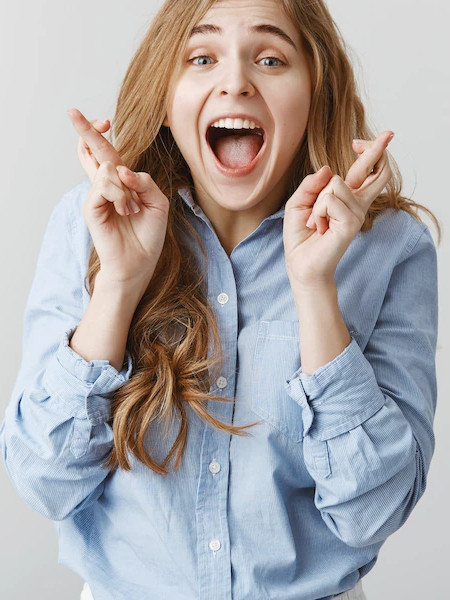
(309, 221)
(134, 206)
(391, 137)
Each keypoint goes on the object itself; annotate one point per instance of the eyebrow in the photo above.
(263, 28)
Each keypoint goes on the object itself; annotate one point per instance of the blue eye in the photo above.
(272, 58)
(200, 58)
(202, 61)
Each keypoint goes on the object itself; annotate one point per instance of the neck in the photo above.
(233, 224)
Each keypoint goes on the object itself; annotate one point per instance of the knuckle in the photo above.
(103, 184)
(146, 177)
(336, 179)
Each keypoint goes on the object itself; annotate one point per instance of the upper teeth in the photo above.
(234, 124)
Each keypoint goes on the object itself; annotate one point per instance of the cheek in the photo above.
(294, 109)
(297, 101)
(185, 95)
(183, 112)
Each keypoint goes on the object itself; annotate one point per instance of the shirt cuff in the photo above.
(338, 396)
(83, 389)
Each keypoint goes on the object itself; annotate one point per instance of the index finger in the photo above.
(99, 146)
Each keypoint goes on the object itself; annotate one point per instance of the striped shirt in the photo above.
(299, 509)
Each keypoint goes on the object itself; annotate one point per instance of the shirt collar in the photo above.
(186, 195)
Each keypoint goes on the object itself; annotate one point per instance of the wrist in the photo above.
(131, 288)
(118, 298)
(314, 288)
(323, 331)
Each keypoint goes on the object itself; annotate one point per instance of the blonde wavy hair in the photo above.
(171, 373)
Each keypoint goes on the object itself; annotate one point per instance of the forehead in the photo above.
(241, 13)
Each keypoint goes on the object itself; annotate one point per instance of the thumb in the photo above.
(306, 193)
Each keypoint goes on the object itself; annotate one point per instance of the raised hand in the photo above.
(326, 212)
(128, 244)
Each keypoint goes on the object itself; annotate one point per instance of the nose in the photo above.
(235, 81)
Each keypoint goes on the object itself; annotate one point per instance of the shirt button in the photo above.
(221, 382)
(214, 545)
(222, 298)
(214, 467)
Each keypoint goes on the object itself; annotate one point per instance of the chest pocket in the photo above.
(276, 358)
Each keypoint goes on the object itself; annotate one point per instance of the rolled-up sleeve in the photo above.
(83, 389)
(55, 433)
(368, 414)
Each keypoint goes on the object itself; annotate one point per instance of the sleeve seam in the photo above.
(411, 244)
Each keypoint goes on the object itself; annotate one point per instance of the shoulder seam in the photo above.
(412, 243)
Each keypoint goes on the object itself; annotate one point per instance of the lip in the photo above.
(239, 172)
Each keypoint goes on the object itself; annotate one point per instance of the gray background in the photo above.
(55, 55)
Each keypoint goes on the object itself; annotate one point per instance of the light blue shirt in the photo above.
(300, 508)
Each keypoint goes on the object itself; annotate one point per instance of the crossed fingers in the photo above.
(371, 169)
(365, 180)
(93, 148)
(335, 201)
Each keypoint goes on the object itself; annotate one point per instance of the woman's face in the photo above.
(244, 62)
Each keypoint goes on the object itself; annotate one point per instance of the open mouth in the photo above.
(236, 149)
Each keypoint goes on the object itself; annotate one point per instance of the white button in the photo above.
(222, 298)
(214, 467)
(221, 382)
(214, 545)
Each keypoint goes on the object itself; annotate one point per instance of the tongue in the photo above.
(237, 151)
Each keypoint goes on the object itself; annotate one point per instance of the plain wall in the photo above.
(55, 55)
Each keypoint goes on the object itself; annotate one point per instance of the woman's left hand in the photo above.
(325, 213)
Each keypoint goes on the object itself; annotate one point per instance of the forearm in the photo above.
(103, 331)
(323, 332)
(380, 456)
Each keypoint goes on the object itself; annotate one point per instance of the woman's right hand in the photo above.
(128, 244)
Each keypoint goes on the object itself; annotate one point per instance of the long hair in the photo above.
(173, 339)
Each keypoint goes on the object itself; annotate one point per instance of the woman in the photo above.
(313, 305)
